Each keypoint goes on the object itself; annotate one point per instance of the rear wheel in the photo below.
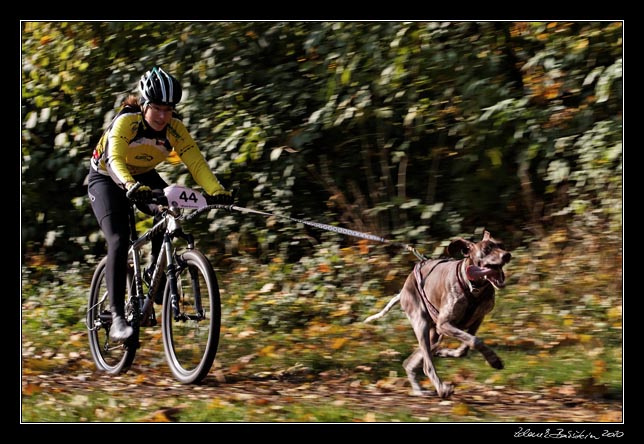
(109, 356)
(191, 336)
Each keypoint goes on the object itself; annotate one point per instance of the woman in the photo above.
(143, 134)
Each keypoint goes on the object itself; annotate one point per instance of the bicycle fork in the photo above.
(175, 263)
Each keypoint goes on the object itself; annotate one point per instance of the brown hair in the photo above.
(132, 101)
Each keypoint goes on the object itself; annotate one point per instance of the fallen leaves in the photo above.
(461, 409)
(279, 396)
(268, 351)
(29, 389)
(338, 343)
(165, 415)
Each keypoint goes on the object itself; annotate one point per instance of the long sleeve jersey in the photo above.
(130, 147)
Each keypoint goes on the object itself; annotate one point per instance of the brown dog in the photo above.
(448, 297)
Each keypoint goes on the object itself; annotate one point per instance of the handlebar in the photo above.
(158, 197)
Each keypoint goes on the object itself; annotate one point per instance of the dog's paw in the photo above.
(446, 390)
(496, 363)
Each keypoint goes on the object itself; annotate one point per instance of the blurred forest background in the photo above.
(413, 131)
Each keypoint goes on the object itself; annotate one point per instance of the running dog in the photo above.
(450, 298)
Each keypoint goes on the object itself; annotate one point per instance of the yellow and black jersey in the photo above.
(130, 147)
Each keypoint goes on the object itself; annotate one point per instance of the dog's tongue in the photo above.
(495, 276)
(475, 273)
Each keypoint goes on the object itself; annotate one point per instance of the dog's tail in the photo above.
(385, 310)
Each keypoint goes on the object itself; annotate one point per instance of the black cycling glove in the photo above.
(221, 198)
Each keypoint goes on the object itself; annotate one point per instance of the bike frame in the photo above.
(170, 225)
(190, 346)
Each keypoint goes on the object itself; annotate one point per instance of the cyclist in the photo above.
(145, 132)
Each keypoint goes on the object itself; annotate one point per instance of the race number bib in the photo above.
(184, 197)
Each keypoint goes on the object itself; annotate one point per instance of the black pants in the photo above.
(110, 206)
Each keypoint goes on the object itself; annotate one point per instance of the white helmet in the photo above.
(159, 87)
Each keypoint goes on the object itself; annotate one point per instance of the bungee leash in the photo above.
(340, 230)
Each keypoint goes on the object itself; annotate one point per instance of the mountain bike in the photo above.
(191, 307)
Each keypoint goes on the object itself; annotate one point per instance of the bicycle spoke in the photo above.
(191, 337)
(109, 356)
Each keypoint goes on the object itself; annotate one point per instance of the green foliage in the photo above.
(445, 123)
(332, 285)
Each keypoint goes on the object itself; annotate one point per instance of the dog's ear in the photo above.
(459, 246)
(486, 235)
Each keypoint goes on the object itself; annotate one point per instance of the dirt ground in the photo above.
(472, 402)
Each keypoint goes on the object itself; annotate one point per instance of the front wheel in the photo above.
(191, 335)
(111, 357)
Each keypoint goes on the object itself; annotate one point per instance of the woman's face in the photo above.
(158, 116)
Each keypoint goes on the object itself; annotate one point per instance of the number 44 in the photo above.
(188, 196)
(184, 197)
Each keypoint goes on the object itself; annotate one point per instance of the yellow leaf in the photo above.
(611, 417)
(585, 338)
(339, 343)
(461, 409)
(615, 312)
(493, 378)
(160, 417)
(599, 368)
(391, 275)
(370, 417)
(215, 404)
(140, 378)
(269, 350)
(30, 389)
(581, 44)
(166, 415)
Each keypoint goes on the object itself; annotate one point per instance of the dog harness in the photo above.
(469, 289)
(420, 285)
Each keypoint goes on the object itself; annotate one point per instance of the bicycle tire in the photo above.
(109, 356)
(191, 340)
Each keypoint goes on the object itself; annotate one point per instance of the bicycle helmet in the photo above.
(159, 87)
